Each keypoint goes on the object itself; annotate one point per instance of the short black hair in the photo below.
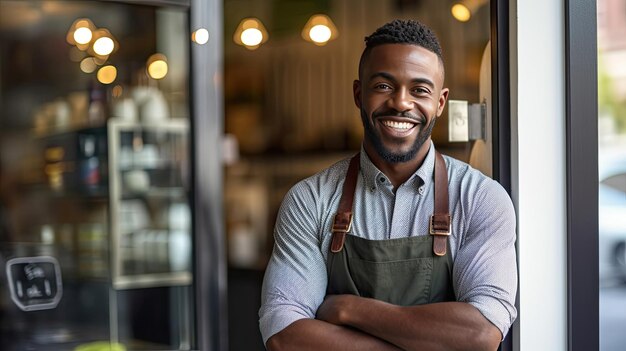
(403, 32)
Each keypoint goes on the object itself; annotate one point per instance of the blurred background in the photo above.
(98, 166)
(612, 171)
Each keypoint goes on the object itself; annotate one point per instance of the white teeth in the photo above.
(398, 125)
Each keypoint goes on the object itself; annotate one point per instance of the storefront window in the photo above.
(612, 172)
(95, 227)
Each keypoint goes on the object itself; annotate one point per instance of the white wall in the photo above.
(538, 167)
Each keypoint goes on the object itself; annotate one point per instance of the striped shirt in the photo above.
(482, 242)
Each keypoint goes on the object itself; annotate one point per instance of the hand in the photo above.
(333, 309)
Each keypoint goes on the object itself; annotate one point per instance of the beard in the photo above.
(384, 152)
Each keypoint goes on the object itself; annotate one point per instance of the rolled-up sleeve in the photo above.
(485, 268)
(295, 280)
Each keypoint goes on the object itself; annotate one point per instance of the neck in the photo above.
(398, 173)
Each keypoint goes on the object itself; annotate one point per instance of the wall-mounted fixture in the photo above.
(465, 121)
(465, 9)
(250, 33)
(319, 29)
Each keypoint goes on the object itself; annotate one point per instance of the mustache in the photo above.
(395, 113)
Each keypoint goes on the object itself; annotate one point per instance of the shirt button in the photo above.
(382, 180)
(420, 190)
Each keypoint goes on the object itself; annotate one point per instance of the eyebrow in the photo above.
(391, 78)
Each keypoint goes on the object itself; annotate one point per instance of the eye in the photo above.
(382, 86)
(421, 90)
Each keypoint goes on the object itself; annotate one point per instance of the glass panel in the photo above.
(289, 113)
(612, 172)
(95, 227)
(148, 199)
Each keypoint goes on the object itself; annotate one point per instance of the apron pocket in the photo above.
(403, 282)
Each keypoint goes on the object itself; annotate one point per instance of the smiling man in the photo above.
(399, 247)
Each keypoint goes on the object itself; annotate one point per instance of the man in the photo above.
(397, 248)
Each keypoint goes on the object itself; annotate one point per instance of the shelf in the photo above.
(166, 193)
(170, 124)
(58, 131)
(152, 280)
(100, 194)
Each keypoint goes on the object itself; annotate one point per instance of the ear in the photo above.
(443, 97)
(356, 91)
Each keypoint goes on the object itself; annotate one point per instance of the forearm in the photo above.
(315, 335)
(440, 326)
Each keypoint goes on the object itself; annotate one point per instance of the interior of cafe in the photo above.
(289, 112)
(96, 162)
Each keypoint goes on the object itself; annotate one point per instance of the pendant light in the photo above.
(250, 33)
(319, 30)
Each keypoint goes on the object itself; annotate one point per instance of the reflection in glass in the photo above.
(612, 172)
(94, 173)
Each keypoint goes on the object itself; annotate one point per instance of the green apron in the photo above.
(405, 271)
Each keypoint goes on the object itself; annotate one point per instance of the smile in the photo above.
(399, 125)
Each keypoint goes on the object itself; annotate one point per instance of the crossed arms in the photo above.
(347, 322)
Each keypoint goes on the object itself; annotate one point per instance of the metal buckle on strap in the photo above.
(434, 231)
(342, 227)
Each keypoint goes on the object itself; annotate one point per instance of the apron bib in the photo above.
(405, 271)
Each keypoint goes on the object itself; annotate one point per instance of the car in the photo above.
(612, 217)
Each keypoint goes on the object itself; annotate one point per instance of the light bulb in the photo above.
(157, 69)
(461, 12)
(251, 37)
(103, 46)
(200, 36)
(83, 35)
(107, 74)
(320, 33)
(88, 65)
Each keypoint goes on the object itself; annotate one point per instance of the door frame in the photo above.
(207, 114)
(501, 107)
(581, 91)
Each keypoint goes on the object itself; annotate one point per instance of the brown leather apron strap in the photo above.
(343, 218)
(440, 220)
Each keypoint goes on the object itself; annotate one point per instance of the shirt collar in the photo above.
(422, 176)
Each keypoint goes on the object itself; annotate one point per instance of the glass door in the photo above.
(95, 216)
(612, 172)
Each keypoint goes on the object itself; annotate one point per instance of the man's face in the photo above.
(400, 93)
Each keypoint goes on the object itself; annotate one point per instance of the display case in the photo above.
(150, 217)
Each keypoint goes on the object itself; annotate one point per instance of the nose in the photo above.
(401, 100)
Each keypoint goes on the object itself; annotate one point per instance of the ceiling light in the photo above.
(157, 66)
(464, 10)
(80, 33)
(319, 29)
(250, 33)
(103, 43)
(461, 12)
(107, 74)
(103, 46)
(251, 37)
(200, 36)
(88, 65)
